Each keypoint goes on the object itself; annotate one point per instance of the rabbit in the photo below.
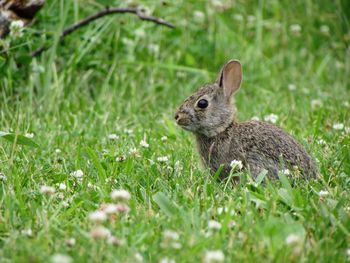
(210, 115)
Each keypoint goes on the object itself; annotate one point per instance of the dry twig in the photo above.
(105, 12)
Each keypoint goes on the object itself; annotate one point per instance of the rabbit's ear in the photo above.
(230, 77)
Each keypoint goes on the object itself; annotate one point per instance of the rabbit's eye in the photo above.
(202, 103)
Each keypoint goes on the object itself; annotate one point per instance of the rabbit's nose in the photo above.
(177, 116)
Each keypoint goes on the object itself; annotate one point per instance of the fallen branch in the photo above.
(105, 12)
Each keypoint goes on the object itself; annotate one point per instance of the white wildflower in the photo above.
(166, 260)
(138, 257)
(238, 17)
(122, 208)
(295, 29)
(110, 209)
(271, 118)
(112, 240)
(113, 136)
(338, 126)
(213, 256)
(198, 16)
(60, 258)
(153, 48)
(58, 150)
(62, 186)
(65, 204)
(164, 138)
(323, 193)
(16, 28)
(170, 235)
(134, 152)
(144, 144)
(316, 103)
(29, 135)
(47, 190)
(3, 177)
(286, 172)
(348, 252)
(251, 19)
(213, 224)
(346, 130)
(321, 142)
(163, 159)
(255, 118)
(221, 210)
(324, 29)
(292, 239)
(236, 164)
(292, 87)
(120, 158)
(128, 42)
(140, 32)
(128, 131)
(121, 195)
(77, 174)
(71, 242)
(178, 166)
(27, 232)
(98, 216)
(151, 162)
(218, 5)
(100, 232)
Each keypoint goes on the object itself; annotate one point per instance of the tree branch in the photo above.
(105, 12)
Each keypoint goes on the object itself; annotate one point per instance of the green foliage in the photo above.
(123, 76)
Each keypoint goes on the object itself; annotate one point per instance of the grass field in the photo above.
(89, 102)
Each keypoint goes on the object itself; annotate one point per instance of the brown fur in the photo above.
(221, 139)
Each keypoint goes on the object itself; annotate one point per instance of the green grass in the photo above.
(107, 77)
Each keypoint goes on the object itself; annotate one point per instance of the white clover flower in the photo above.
(348, 252)
(178, 167)
(144, 144)
(153, 48)
(58, 150)
(16, 28)
(338, 126)
(164, 138)
(198, 16)
(29, 135)
(27, 232)
(271, 118)
(100, 232)
(110, 209)
(292, 239)
(62, 186)
(170, 235)
(120, 195)
(65, 204)
(324, 29)
(60, 258)
(255, 118)
(47, 190)
(292, 87)
(221, 210)
(316, 103)
(286, 172)
(251, 19)
(113, 136)
(236, 164)
(213, 224)
(112, 240)
(120, 158)
(347, 129)
(71, 242)
(3, 177)
(134, 152)
(218, 5)
(238, 17)
(213, 256)
(98, 216)
(166, 260)
(77, 174)
(138, 257)
(129, 131)
(295, 29)
(151, 162)
(122, 208)
(321, 142)
(140, 32)
(163, 159)
(323, 193)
